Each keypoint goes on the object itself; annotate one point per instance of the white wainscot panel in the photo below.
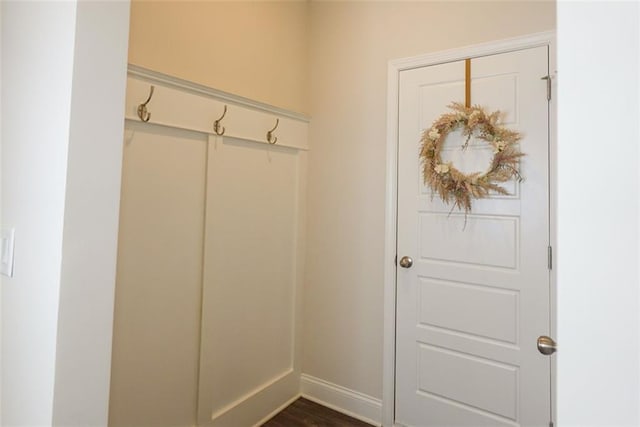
(482, 385)
(154, 371)
(472, 309)
(249, 281)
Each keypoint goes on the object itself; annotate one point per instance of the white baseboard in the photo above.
(277, 410)
(342, 399)
(257, 406)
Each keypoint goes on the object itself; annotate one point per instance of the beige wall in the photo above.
(255, 49)
(351, 44)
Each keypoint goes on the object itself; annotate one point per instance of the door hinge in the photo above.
(548, 79)
(550, 257)
(550, 423)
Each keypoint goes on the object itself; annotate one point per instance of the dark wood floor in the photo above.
(305, 413)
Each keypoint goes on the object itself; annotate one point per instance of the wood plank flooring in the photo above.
(305, 413)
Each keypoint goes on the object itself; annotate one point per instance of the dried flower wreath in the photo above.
(450, 183)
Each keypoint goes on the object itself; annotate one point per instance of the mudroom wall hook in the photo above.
(142, 108)
(271, 139)
(219, 130)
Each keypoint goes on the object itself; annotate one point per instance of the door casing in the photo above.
(393, 75)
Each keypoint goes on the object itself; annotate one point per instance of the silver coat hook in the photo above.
(142, 108)
(271, 139)
(219, 130)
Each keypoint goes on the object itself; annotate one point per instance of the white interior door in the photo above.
(471, 307)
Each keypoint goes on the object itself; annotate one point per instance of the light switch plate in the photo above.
(7, 243)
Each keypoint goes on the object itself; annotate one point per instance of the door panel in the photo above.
(489, 385)
(446, 305)
(477, 297)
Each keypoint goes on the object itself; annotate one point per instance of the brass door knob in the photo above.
(546, 345)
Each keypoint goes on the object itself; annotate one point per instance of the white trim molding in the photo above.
(185, 105)
(474, 51)
(349, 402)
(257, 406)
(277, 411)
(394, 68)
(198, 89)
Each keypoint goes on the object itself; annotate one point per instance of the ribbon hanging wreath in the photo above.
(451, 184)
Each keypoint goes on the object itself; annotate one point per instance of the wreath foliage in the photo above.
(451, 184)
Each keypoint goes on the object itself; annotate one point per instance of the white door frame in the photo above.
(394, 68)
